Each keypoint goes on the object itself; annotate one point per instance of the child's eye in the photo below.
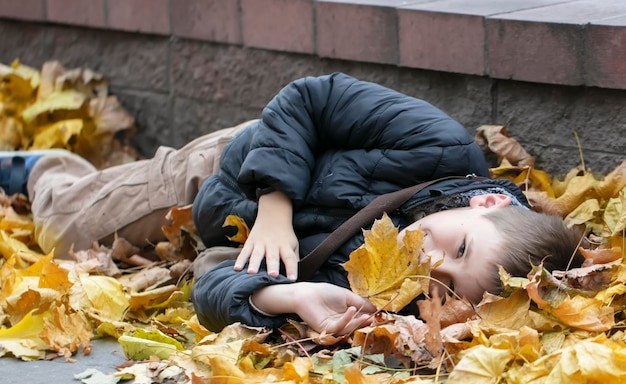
(461, 250)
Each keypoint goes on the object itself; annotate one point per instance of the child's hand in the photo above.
(333, 309)
(324, 307)
(272, 242)
(271, 238)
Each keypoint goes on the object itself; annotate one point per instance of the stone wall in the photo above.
(180, 88)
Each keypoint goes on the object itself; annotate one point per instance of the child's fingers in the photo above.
(338, 325)
(242, 258)
(272, 259)
(343, 324)
(257, 256)
(365, 306)
(290, 259)
(357, 320)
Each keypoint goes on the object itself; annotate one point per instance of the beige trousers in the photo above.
(75, 204)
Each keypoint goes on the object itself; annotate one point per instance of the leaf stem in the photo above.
(580, 151)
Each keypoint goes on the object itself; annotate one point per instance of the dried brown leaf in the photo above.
(612, 183)
(431, 311)
(497, 139)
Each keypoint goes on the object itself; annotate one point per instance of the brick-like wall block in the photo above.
(285, 25)
(357, 32)
(548, 53)
(213, 20)
(442, 41)
(79, 12)
(22, 9)
(150, 16)
(605, 58)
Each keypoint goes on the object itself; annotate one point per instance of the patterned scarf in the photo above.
(460, 200)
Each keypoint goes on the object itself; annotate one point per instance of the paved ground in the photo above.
(105, 356)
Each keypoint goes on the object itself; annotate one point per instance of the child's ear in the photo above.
(490, 200)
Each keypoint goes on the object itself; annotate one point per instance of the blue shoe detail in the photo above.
(15, 168)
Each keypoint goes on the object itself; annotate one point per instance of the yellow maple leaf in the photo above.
(10, 132)
(591, 361)
(506, 312)
(576, 192)
(55, 277)
(50, 274)
(104, 296)
(531, 178)
(388, 274)
(22, 339)
(204, 353)
(58, 134)
(13, 248)
(151, 297)
(230, 372)
(35, 287)
(64, 103)
(12, 223)
(18, 81)
(585, 313)
(354, 375)
(590, 314)
(141, 344)
(23, 302)
(615, 213)
(481, 364)
(298, 369)
(613, 182)
(585, 212)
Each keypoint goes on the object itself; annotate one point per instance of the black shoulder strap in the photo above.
(366, 216)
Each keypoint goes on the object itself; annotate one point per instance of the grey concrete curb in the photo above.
(105, 356)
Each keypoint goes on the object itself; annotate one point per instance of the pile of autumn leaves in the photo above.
(59, 108)
(560, 327)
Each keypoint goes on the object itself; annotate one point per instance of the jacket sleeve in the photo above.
(220, 196)
(318, 115)
(220, 297)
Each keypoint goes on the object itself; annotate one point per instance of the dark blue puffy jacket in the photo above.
(332, 144)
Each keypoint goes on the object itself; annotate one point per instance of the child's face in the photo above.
(468, 244)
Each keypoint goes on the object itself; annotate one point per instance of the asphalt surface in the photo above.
(105, 355)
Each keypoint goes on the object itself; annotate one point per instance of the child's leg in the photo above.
(211, 257)
(73, 203)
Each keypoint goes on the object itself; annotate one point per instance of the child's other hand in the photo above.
(271, 238)
(332, 309)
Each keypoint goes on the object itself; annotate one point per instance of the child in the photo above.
(324, 148)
